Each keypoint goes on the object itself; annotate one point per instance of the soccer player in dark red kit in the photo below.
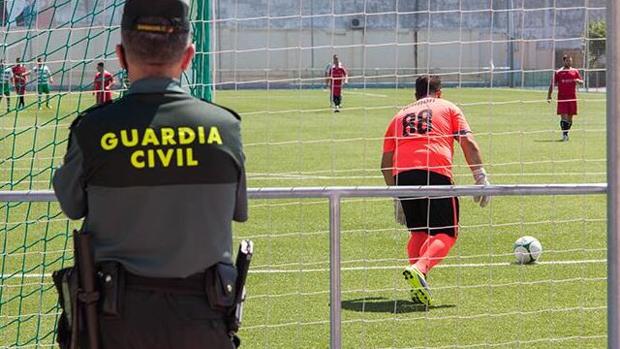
(418, 149)
(336, 78)
(566, 79)
(20, 78)
(103, 84)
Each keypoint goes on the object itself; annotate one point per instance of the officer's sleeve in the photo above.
(235, 146)
(241, 202)
(69, 184)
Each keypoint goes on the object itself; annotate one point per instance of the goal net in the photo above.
(268, 59)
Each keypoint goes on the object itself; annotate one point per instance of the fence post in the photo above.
(335, 305)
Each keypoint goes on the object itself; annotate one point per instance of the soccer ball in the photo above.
(527, 249)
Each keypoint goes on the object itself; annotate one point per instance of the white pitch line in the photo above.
(346, 92)
(392, 267)
(379, 267)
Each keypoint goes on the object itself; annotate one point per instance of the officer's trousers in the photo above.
(156, 319)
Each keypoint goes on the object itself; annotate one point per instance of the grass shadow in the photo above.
(384, 305)
(515, 263)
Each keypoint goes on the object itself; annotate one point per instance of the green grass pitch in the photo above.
(293, 139)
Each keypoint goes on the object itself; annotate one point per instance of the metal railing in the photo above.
(335, 196)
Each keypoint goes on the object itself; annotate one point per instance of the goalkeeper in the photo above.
(418, 150)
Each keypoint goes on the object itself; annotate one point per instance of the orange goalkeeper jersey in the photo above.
(422, 136)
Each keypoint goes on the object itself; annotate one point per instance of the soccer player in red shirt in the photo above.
(566, 79)
(103, 85)
(418, 150)
(20, 78)
(336, 78)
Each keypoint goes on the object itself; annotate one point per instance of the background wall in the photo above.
(510, 42)
(284, 43)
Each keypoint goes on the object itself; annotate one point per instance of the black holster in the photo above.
(78, 297)
(69, 323)
(111, 280)
(221, 288)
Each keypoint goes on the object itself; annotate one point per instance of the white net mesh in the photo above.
(496, 60)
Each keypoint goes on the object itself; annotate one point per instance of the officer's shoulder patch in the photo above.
(234, 113)
(88, 112)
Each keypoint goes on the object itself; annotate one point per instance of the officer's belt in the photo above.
(192, 285)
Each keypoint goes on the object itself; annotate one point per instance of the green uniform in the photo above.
(140, 149)
(43, 88)
(43, 74)
(158, 176)
(7, 77)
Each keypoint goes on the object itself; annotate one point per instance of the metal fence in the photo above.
(335, 196)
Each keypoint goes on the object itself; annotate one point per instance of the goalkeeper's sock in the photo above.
(435, 250)
(414, 246)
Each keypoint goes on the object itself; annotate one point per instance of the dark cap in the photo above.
(138, 15)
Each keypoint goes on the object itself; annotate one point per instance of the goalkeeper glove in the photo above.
(480, 176)
(399, 214)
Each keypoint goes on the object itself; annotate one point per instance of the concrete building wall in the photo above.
(288, 42)
(378, 56)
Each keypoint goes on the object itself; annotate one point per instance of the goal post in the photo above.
(613, 175)
(202, 82)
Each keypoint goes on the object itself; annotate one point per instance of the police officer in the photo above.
(158, 177)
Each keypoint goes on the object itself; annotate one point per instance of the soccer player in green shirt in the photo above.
(44, 78)
(124, 78)
(7, 78)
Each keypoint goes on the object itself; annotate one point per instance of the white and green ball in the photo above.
(527, 249)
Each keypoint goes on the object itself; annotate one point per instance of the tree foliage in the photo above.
(597, 32)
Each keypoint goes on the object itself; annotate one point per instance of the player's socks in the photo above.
(569, 124)
(414, 246)
(434, 251)
(565, 126)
